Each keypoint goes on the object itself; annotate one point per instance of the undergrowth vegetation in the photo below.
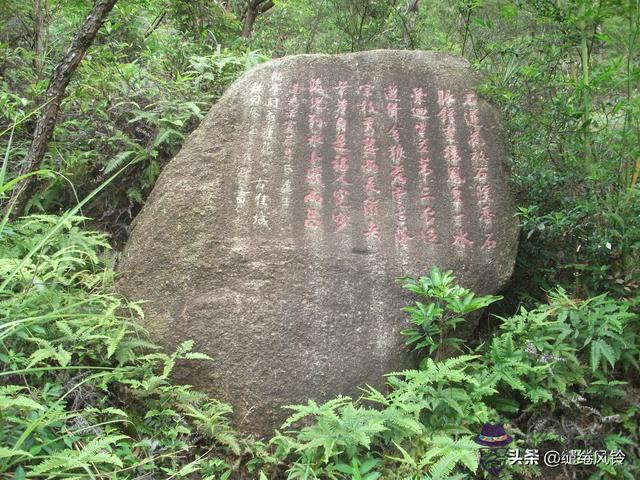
(85, 394)
(143, 88)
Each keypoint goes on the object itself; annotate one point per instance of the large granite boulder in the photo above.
(274, 237)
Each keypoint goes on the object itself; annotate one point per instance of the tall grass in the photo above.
(83, 394)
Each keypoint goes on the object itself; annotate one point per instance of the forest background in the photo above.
(83, 394)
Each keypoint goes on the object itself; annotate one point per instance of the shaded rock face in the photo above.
(274, 237)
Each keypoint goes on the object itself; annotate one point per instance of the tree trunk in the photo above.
(249, 20)
(586, 95)
(254, 8)
(62, 73)
(38, 40)
(412, 13)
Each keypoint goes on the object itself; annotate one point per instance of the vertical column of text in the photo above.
(455, 180)
(293, 104)
(313, 198)
(419, 113)
(244, 170)
(340, 163)
(370, 169)
(397, 172)
(261, 198)
(480, 166)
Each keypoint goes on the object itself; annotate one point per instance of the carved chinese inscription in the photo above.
(481, 169)
(428, 232)
(397, 172)
(340, 163)
(293, 105)
(244, 171)
(455, 179)
(260, 195)
(314, 198)
(356, 136)
(370, 168)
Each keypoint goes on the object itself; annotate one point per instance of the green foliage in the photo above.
(339, 427)
(98, 397)
(360, 471)
(566, 85)
(144, 85)
(449, 453)
(426, 411)
(565, 344)
(566, 358)
(447, 305)
(81, 390)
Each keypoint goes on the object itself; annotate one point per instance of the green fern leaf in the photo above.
(594, 356)
(115, 340)
(607, 352)
(444, 466)
(11, 453)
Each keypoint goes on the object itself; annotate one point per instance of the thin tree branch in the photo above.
(73, 55)
(156, 23)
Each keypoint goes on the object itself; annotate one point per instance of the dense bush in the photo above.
(142, 88)
(82, 390)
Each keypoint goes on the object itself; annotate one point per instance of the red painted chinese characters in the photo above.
(480, 164)
(369, 167)
(380, 147)
(428, 233)
(340, 163)
(397, 172)
(313, 198)
(455, 179)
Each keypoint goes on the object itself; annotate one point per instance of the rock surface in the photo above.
(274, 237)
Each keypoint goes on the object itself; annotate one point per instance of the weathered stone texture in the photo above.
(274, 237)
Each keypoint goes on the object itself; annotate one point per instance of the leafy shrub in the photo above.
(81, 390)
(425, 411)
(140, 90)
(447, 305)
(565, 359)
